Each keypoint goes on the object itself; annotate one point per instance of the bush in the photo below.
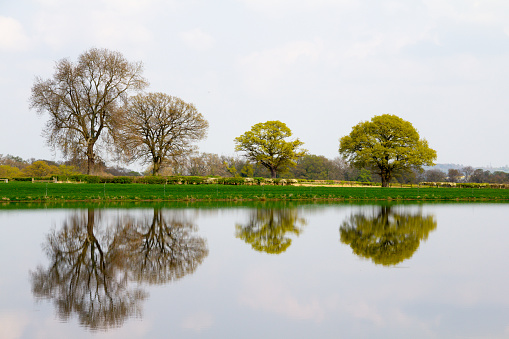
(231, 181)
(193, 180)
(152, 180)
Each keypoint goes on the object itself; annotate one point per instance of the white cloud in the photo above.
(12, 325)
(197, 39)
(263, 70)
(114, 23)
(12, 35)
(266, 292)
(198, 322)
(277, 7)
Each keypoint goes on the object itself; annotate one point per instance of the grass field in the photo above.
(27, 191)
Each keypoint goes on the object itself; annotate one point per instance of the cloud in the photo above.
(198, 322)
(197, 39)
(12, 325)
(278, 7)
(12, 35)
(115, 23)
(266, 292)
(263, 71)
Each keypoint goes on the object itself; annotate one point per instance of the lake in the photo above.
(249, 271)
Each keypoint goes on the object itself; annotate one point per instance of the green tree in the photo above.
(81, 98)
(388, 237)
(387, 145)
(265, 144)
(157, 128)
(7, 171)
(40, 168)
(316, 167)
(364, 175)
(268, 229)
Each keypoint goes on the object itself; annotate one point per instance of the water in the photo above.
(268, 271)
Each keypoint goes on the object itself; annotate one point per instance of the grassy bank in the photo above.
(27, 191)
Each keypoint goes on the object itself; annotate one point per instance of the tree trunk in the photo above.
(156, 166)
(273, 172)
(90, 157)
(386, 177)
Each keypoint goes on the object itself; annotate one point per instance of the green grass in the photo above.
(27, 191)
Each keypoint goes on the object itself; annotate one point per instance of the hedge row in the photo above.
(170, 180)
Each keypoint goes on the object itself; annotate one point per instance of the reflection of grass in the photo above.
(27, 191)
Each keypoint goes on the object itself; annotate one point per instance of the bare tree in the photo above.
(81, 97)
(467, 171)
(157, 128)
(435, 175)
(453, 175)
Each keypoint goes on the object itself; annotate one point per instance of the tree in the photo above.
(268, 229)
(265, 144)
(480, 176)
(7, 171)
(81, 97)
(162, 248)
(387, 145)
(40, 168)
(467, 171)
(364, 176)
(87, 274)
(387, 237)
(453, 175)
(156, 128)
(434, 175)
(310, 166)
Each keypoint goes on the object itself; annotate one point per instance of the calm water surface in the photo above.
(302, 271)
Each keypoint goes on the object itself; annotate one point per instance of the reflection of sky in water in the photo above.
(454, 285)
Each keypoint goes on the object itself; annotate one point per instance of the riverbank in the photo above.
(62, 192)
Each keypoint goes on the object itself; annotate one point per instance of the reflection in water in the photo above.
(92, 263)
(267, 229)
(388, 237)
(162, 249)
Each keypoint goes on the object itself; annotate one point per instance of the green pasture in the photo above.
(27, 191)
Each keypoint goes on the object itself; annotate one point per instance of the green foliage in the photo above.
(231, 181)
(388, 237)
(267, 229)
(265, 144)
(193, 180)
(364, 176)
(9, 172)
(231, 169)
(247, 171)
(156, 180)
(40, 169)
(387, 144)
(312, 166)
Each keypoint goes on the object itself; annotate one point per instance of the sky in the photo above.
(320, 66)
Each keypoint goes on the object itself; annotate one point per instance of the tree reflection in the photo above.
(388, 237)
(163, 249)
(92, 264)
(268, 229)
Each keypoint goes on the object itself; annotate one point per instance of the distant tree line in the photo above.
(309, 167)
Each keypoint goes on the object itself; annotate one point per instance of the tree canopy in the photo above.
(94, 262)
(388, 237)
(387, 145)
(156, 127)
(81, 97)
(265, 144)
(268, 229)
